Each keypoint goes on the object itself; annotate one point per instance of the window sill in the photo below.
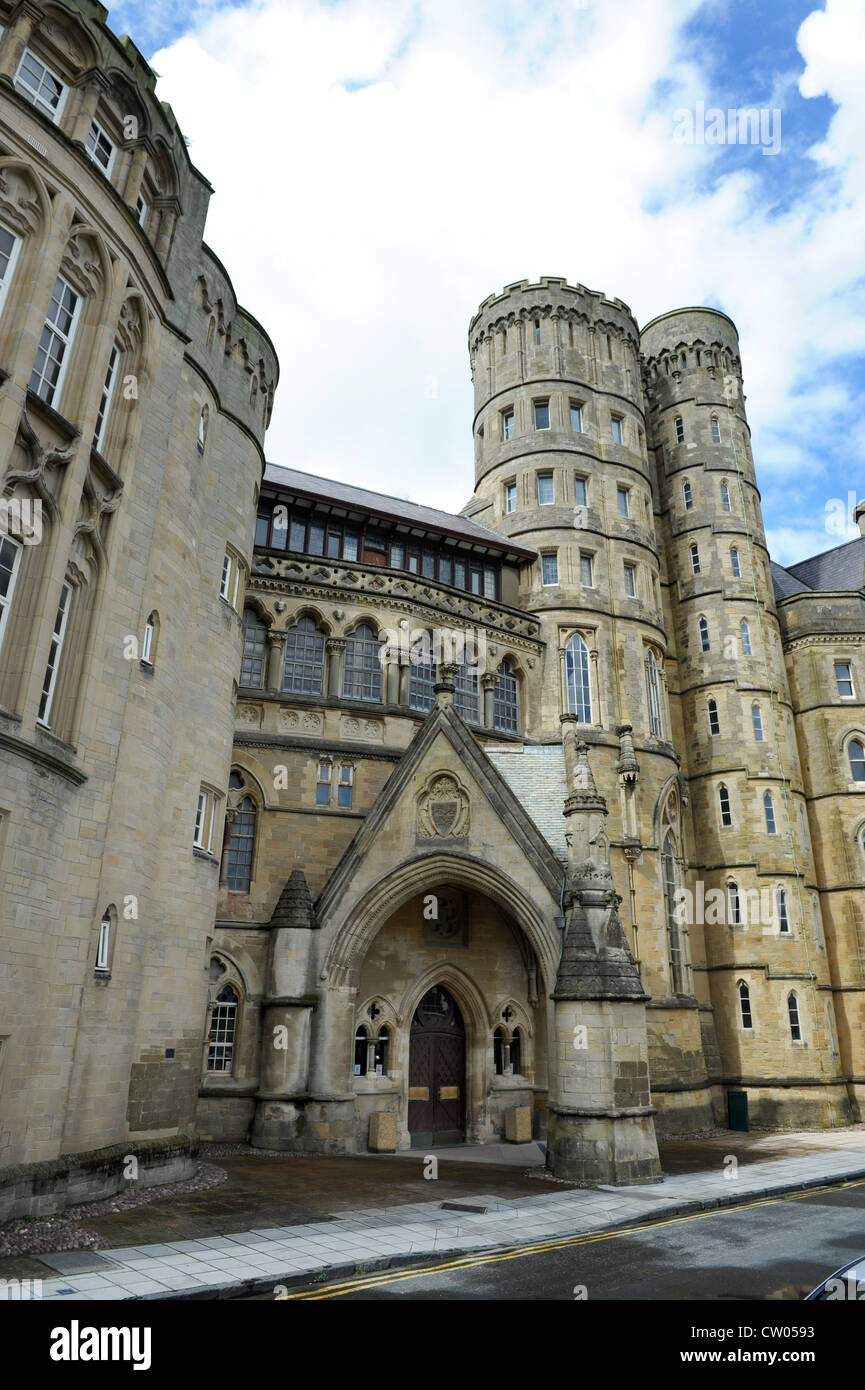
(101, 974)
(205, 854)
(146, 666)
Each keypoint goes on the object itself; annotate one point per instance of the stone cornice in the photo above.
(52, 761)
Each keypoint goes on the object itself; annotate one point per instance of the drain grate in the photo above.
(463, 1206)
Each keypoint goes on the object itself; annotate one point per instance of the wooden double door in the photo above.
(437, 1072)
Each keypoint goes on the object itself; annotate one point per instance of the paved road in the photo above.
(774, 1249)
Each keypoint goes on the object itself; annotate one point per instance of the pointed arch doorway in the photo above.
(437, 1071)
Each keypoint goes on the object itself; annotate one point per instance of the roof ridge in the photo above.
(833, 550)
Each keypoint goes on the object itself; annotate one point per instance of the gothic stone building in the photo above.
(547, 818)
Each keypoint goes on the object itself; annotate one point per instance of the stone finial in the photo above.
(627, 765)
(859, 516)
(444, 686)
(294, 908)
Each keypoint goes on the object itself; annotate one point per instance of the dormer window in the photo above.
(100, 148)
(39, 84)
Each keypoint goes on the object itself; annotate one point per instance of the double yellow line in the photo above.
(397, 1276)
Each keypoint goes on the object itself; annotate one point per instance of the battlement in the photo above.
(521, 298)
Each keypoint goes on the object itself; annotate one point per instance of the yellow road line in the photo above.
(395, 1276)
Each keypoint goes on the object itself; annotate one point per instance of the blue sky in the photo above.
(429, 152)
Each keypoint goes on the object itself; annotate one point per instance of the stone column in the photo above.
(275, 660)
(335, 647)
(20, 31)
(135, 176)
(87, 104)
(489, 685)
(600, 712)
(392, 682)
(404, 681)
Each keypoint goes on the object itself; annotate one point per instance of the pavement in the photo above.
(365, 1212)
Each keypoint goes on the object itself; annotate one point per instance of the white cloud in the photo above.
(363, 225)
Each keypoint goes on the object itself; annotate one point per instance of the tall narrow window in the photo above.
(303, 671)
(105, 400)
(769, 809)
(361, 1052)
(576, 418)
(537, 330)
(550, 569)
(757, 721)
(362, 668)
(99, 147)
(240, 847)
(542, 415)
(716, 430)
(578, 680)
(323, 783)
(587, 571)
(714, 721)
(103, 948)
(793, 1014)
(54, 653)
(253, 665)
(746, 638)
(380, 1050)
(695, 558)
(581, 491)
(704, 635)
(223, 1026)
(653, 686)
(680, 429)
(516, 1052)
(844, 680)
(506, 711)
(467, 701)
(623, 501)
(9, 245)
(617, 429)
(734, 905)
(507, 424)
(745, 1005)
(149, 640)
(141, 209)
(345, 785)
(674, 936)
(734, 562)
(630, 580)
(724, 804)
(58, 331)
(10, 560)
(546, 493)
(725, 498)
(423, 674)
(511, 497)
(229, 584)
(687, 495)
(783, 919)
(856, 755)
(202, 837)
(499, 1052)
(40, 85)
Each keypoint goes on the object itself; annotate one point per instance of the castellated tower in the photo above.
(763, 956)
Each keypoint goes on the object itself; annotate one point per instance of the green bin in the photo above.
(737, 1103)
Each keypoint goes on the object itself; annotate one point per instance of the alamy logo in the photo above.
(77, 1343)
(744, 125)
(21, 517)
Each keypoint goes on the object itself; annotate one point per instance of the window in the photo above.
(379, 1052)
(581, 491)
(510, 497)
(724, 804)
(362, 669)
(757, 721)
(587, 571)
(141, 210)
(99, 147)
(203, 421)
(546, 491)
(550, 568)
(10, 558)
(653, 686)
(105, 400)
(204, 814)
(716, 430)
(617, 429)
(54, 653)
(467, 700)
(361, 1051)
(695, 558)
(844, 680)
(499, 1052)
(230, 581)
(630, 580)
(345, 785)
(714, 721)
(253, 665)
(576, 417)
(734, 905)
(577, 679)
(147, 645)
(769, 809)
(623, 501)
(537, 330)
(103, 948)
(323, 782)
(303, 669)
(781, 904)
(674, 937)
(54, 344)
(223, 1026)
(688, 495)
(516, 1052)
(9, 245)
(423, 674)
(240, 846)
(40, 85)
(746, 638)
(507, 424)
(793, 1014)
(745, 1005)
(705, 645)
(506, 709)
(542, 415)
(734, 561)
(725, 498)
(680, 429)
(856, 754)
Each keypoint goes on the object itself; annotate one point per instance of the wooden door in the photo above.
(437, 1072)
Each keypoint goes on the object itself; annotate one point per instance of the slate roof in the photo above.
(784, 583)
(840, 568)
(394, 508)
(536, 776)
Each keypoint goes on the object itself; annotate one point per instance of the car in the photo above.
(846, 1282)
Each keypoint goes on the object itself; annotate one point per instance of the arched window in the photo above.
(725, 498)
(734, 562)
(674, 935)
(577, 679)
(783, 918)
(757, 721)
(745, 1005)
(223, 1026)
(734, 904)
(716, 430)
(240, 847)
(506, 709)
(10, 562)
(724, 804)
(361, 1051)
(303, 670)
(467, 699)
(423, 674)
(499, 1052)
(746, 638)
(148, 645)
(793, 1013)
(688, 495)
(695, 558)
(106, 399)
(769, 809)
(103, 946)
(253, 665)
(362, 668)
(714, 721)
(203, 425)
(380, 1051)
(654, 692)
(705, 644)
(517, 1053)
(679, 426)
(856, 755)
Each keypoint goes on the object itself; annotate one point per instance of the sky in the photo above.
(382, 166)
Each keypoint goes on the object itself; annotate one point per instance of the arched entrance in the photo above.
(437, 1071)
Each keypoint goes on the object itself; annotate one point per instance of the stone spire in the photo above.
(294, 908)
